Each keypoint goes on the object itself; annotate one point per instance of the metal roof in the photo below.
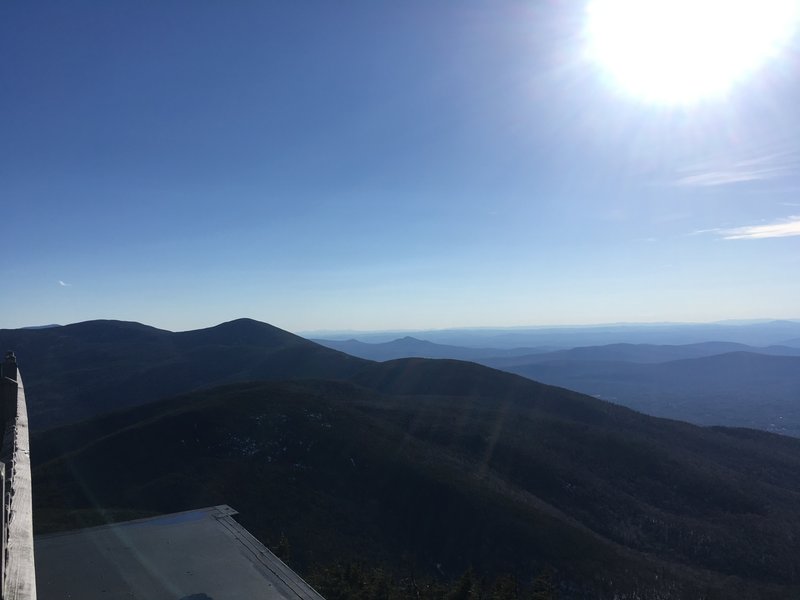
(196, 555)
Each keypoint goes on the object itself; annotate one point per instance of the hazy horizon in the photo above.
(476, 328)
(551, 326)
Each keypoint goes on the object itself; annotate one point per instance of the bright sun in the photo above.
(684, 51)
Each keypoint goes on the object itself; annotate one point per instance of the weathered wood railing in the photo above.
(17, 572)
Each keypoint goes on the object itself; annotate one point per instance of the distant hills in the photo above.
(411, 347)
(639, 353)
(741, 389)
(754, 333)
(708, 383)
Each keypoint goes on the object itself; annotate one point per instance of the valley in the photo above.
(707, 383)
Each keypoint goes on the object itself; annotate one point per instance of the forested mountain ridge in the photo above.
(436, 465)
(73, 372)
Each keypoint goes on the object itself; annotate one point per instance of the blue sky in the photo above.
(377, 165)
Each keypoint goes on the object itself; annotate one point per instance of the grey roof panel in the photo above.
(196, 555)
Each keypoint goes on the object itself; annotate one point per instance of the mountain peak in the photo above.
(246, 331)
(409, 338)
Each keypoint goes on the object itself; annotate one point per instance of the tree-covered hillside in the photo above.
(409, 473)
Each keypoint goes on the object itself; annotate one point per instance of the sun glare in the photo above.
(684, 51)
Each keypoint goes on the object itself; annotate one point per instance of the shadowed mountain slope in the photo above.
(437, 465)
(81, 370)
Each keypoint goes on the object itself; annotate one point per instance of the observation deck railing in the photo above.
(17, 572)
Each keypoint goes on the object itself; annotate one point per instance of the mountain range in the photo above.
(81, 370)
(417, 467)
(708, 383)
(754, 333)
(411, 347)
(742, 389)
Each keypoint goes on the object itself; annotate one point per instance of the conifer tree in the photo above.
(543, 586)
